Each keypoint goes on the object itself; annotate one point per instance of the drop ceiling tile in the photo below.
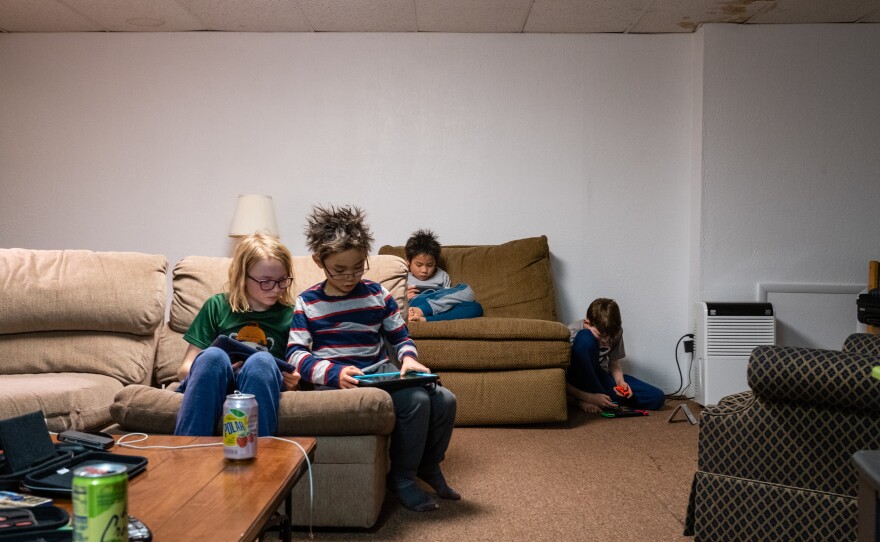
(137, 15)
(471, 16)
(42, 16)
(686, 15)
(249, 15)
(360, 15)
(584, 15)
(798, 11)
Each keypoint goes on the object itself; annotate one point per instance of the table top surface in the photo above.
(196, 494)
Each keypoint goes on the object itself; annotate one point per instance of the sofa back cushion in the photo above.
(80, 311)
(196, 278)
(80, 290)
(511, 280)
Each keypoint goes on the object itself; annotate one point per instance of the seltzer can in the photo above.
(240, 427)
(100, 503)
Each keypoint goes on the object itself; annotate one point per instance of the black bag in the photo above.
(869, 307)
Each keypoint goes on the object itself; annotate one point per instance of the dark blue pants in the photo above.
(425, 416)
(211, 379)
(586, 374)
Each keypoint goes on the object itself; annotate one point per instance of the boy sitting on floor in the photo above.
(595, 379)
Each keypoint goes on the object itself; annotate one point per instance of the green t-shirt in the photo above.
(269, 329)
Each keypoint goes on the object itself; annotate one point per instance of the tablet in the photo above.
(238, 351)
(393, 381)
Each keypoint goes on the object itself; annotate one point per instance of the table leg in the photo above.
(286, 524)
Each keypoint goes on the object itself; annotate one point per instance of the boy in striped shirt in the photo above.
(337, 333)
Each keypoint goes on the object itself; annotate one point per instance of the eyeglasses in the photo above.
(355, 275)
(267, 285)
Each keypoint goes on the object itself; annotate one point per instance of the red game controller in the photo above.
(623, 392)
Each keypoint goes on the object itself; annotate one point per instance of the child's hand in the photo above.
(346, 377)
(411, 365)
(411, 292)
(623, 390)
(291, 380)
(237, 365)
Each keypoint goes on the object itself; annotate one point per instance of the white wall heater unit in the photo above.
(725, 335)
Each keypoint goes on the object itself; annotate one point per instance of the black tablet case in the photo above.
(57, 479)
(31, 459)
(393, 383)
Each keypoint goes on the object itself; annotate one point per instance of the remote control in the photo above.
(137, 531)
(89, 440)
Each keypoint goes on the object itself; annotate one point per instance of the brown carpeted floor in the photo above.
(590, 478)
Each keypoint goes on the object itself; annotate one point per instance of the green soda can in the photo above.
(100, 503)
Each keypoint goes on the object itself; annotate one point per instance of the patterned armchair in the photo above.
(775, 463)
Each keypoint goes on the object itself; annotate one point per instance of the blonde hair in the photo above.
(331, 230)
(249, 251)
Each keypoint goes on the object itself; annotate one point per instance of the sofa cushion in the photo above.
(80, 290)
(169, 354)
(479, 355)
(126, 358)
(68, 400)
(333, 412)
(512, 280)
(508, 397)
(524, 329)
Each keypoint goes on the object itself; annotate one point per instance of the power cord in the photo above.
(131, 444)
(681, 385)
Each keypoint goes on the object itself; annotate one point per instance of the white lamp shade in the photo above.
(254, 213)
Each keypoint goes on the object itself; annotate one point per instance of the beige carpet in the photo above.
(589, 479)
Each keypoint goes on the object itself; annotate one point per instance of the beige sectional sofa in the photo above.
(85, 339)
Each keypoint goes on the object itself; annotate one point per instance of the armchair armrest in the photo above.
(815, 377)
(863, 343)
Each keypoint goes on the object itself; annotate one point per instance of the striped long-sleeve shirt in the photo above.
(330, 332)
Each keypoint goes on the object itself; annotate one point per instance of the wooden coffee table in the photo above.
(196, 494)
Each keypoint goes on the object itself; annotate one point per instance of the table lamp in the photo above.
(253, 213)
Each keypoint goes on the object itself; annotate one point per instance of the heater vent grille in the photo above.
(725, 335)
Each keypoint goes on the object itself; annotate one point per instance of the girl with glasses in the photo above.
(256, 309)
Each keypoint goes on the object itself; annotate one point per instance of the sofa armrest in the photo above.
(810, 376)
(366, 411)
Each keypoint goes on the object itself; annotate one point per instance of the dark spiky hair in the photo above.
(422, 242)
(331, 230)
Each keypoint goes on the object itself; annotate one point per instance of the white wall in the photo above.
(790, 166)
(142, 141)
(664, 169)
